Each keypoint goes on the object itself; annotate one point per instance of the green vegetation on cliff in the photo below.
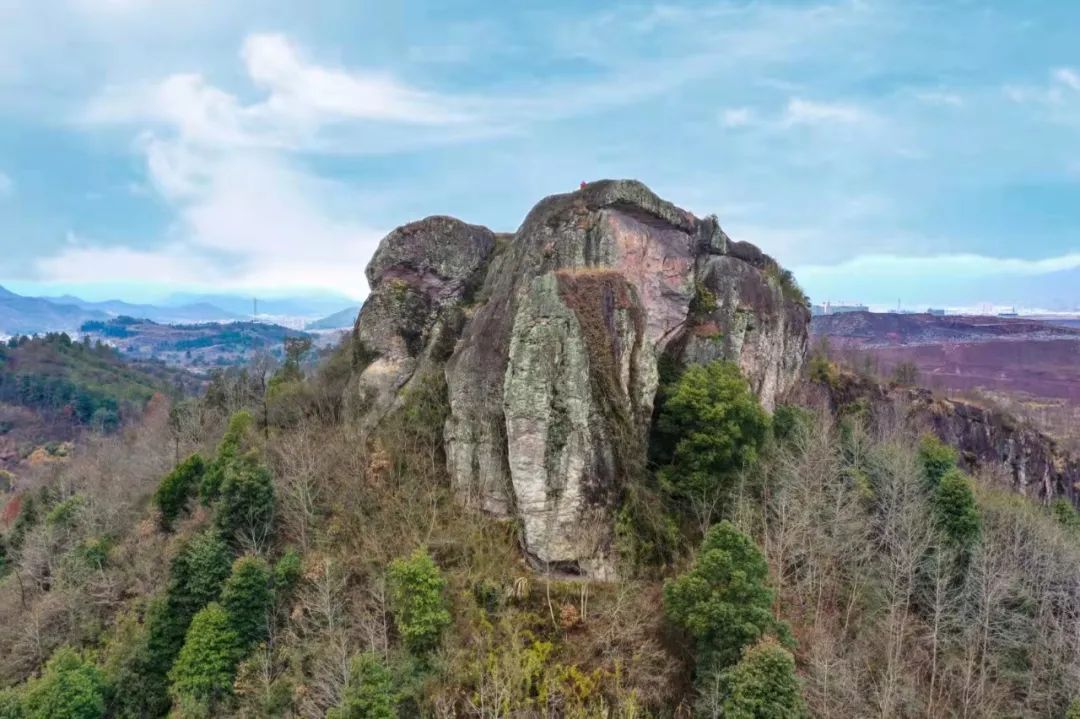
(312, 566)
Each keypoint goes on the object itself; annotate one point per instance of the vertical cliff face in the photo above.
(551, 362)
(1032, 462)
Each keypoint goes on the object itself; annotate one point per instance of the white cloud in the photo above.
(1064, 86)
(82, 261)
(301, 99)
(7, 185)
(937, 97)
(737, 117)
(227, 170)
(809, 112)
(1067, 77)
(960, 266)
(244, 218)
(305, 91)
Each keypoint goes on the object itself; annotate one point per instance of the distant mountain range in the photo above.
(30, 315)
(26, 315)
(308, 306)
(339, 320)
(194, 312)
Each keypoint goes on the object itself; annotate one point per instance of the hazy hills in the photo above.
(339, 320)
(66, 313)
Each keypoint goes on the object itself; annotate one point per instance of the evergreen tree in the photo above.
(70, 688)
(229, 449)
(176, 488)
(763, 685)
(957, 513)
(287, 572)
(416, 588)
(203, 673)
(195, 578)
(710, 426)
(724, 601)
(936, 458)
(247, 599)
(370, 693)
(245, 507)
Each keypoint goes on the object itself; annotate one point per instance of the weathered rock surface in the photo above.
(1032, 462)
(552, 363)
(419, 277)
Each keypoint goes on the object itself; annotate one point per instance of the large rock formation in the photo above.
(551, 342)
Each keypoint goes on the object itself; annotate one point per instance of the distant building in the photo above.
(935, 312)
(829, 308)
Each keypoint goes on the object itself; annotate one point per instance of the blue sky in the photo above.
(884, 150)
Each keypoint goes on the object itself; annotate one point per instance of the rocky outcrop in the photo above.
(420, 276)
(552, 361)
(1032, 461)
(1036, 465)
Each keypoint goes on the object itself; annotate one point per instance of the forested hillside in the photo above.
(52, 389)
(583, 471)
(770, 566)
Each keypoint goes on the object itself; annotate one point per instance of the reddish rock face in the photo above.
(553, 375)
(658, 262)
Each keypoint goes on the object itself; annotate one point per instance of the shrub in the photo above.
(11, 704)
(420, 612)
(177, 487)
(789, 421)
(204, 670)
(370, 692)
(704, 300)
(710, 426)
(247, 599)
(955, 508)
(1065, 514)
(1074, 710)
(936, 459)
(724, 601)
(70, 688)
(63, 514)
(763, 685)
(287, 572)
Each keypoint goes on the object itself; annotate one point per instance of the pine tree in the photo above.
(176, 488)
(724, 602)
(957, 513)
(245, 507)
(203, 673)
(247, 599)
(710, 425)
(229, 449)
(936, 458)
(763, 685)
(196, 575)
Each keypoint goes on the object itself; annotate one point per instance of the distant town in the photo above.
(838, 308)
